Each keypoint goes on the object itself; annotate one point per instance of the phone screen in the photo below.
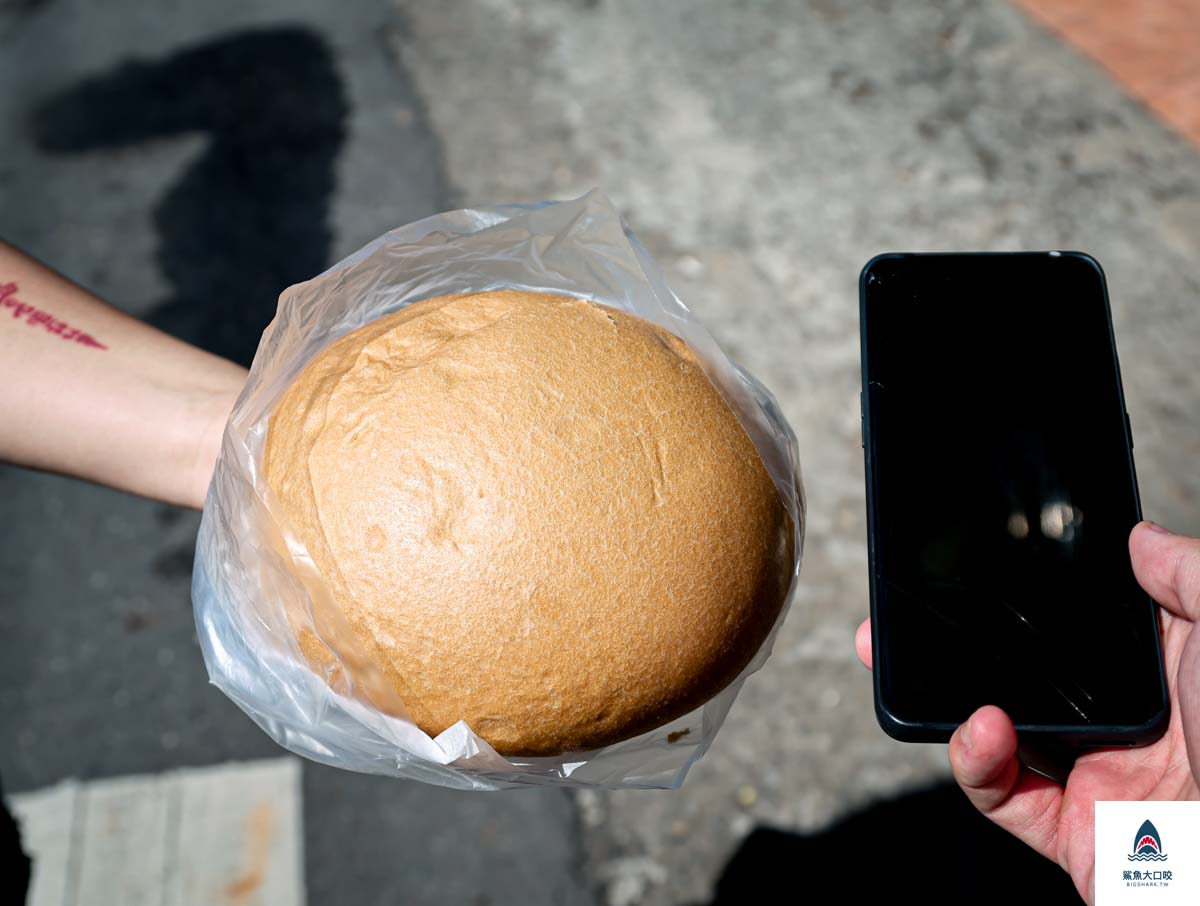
(1003, 494)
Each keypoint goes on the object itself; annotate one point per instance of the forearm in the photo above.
(88, 391)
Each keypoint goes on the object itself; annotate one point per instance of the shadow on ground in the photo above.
(930, 844)
(249, 216)
(14, 863)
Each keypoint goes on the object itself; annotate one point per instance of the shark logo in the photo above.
(1147, 845)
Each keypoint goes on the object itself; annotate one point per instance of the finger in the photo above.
(1168, 567)
(983, 757)
(862, 642)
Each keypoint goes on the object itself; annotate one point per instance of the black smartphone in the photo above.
(1001, 493)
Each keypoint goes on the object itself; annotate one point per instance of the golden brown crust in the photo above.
(537, 514)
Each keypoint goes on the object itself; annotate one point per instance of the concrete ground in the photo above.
(762, 151)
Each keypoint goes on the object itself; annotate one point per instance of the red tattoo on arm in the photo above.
(35, 316)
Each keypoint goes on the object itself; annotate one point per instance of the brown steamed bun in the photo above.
(537, 514)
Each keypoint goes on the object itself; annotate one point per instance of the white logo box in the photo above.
(1164, 870)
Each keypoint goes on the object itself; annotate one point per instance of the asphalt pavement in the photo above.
(187, 162)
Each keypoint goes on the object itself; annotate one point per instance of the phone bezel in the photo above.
(1094, 735)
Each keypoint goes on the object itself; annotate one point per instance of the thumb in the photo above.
(1168, 567)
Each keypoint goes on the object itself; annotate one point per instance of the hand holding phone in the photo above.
(1044, 437)
(1057, 821)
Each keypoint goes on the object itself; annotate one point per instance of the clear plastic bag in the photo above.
(252, 577)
